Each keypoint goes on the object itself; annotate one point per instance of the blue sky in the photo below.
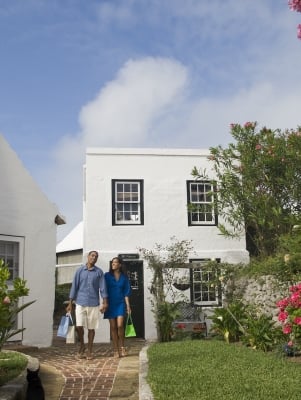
(139, 73)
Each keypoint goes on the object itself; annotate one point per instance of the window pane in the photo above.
(195, 217)
(119, 187)
(207, 188)
(134, 196)
(9, 253)
(127, 196)
(127, 187)
(127, 216)
(120, 196)
(135, 208)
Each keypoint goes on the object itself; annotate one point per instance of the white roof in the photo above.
(73, 241)
(148, 151)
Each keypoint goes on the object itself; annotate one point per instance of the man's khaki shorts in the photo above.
(88, 317)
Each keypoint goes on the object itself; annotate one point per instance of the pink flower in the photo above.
(299, 31)
(248, 125)
(295, 5)
(282, 304)
(258, 147)
(282, 316)
(295, 297)
(295, 288)
(297, 320)
(290, 343)
(287, 329)
(6, 300)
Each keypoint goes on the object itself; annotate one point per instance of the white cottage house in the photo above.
(135, 198)
(28, 224)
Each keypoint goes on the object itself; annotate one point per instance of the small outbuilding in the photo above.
(28, 230)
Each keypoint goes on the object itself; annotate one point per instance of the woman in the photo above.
(119, 290)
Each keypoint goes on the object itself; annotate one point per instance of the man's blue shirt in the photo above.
(87, 286)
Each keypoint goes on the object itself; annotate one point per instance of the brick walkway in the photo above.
(86, 379)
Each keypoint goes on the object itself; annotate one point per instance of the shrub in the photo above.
(9, 304)
(226, 321)
(290, 316)
(260, 331)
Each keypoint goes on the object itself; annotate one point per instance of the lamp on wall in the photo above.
(59, 219)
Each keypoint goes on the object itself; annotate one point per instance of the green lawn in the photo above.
(211, 369)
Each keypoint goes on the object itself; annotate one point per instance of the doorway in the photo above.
(135, 273)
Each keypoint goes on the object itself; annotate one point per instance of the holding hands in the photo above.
(103, 307)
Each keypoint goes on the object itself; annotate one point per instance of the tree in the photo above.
(258, 187)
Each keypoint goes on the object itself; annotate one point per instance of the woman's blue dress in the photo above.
(117, 291)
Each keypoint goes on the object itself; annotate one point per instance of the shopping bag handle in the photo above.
(69, 315)
(129, 319)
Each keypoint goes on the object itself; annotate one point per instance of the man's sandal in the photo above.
(81, 353)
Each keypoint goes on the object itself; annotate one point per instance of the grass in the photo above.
(12, 364)
(209, 369)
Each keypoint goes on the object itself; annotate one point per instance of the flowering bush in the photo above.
(9, 304)
(295, 5)
(290, 315)
(256, 184)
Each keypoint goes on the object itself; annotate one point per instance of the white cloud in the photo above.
(125, 109)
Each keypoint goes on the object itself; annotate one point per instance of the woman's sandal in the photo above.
(123, 352)
(89, 356)
(116, 354)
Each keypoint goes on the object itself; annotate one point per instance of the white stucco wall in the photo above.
(27, 214)
(164, 173)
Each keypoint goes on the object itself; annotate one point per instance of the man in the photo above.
(87, 287)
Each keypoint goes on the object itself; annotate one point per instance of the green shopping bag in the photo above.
(129, 327)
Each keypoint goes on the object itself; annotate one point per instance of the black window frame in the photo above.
(214, 221)
(140, 203)
(218, 289)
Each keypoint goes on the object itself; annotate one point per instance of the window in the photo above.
(12, 251)
(127, 202)
(201, 203)
(9, 252)
(204, 292)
